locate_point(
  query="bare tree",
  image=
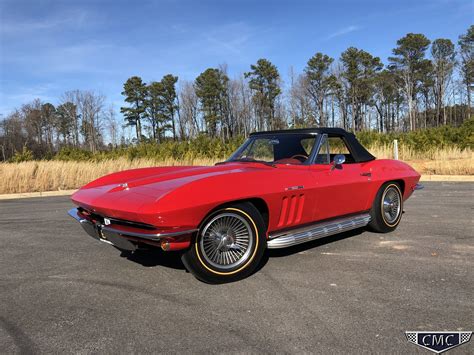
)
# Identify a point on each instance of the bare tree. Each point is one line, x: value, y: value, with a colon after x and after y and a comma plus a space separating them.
x: 12, y: 138
x: 112, y: 125
x: 340, y: 95
x: 300, y: 109
x: 73, y: 97
x: 188, y: 124
x: 90, y: 106
x: 244, y: 107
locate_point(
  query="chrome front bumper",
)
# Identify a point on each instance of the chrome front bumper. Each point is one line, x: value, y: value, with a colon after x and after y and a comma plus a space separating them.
x: 418, y: 187
x: 117, y: 237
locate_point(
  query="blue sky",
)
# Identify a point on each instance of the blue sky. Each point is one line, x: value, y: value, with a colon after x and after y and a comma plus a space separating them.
x: 49, y: 47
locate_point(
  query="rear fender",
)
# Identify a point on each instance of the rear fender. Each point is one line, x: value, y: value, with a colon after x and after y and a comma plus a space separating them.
x: 385, y: 170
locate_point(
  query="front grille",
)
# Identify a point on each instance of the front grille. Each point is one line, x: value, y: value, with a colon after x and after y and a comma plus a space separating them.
x: 121, y: 222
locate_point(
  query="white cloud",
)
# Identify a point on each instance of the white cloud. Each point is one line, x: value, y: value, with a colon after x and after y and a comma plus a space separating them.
x: 343, y: 31
x: 59, y: 21
x: 19, y: 95
x: 230, y: 38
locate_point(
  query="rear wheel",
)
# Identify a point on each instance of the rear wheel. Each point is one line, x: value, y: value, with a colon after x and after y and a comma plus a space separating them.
x: 229, y: 245
x: 387, y: 208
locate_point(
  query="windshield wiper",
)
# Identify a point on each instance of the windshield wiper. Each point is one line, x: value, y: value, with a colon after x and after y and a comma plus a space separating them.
x: 249, y: 160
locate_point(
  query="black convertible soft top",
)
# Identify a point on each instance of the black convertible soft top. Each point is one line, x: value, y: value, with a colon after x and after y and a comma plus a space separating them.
x: 358, y: 152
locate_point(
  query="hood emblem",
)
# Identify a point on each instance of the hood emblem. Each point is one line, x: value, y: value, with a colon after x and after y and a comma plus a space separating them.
x: 124, y: 186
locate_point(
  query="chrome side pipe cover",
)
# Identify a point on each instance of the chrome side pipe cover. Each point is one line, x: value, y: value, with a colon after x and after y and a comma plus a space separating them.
x: 316, y: 231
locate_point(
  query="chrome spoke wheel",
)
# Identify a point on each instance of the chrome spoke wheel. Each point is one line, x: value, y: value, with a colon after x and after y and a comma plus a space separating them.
x: 391, y: 207
x: 226, y: 240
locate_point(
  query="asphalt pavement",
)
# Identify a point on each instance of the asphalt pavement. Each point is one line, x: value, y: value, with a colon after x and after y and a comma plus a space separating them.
x: 63, y: 292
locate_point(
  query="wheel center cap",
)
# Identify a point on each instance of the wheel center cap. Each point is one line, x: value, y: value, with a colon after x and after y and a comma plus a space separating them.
x: 225, y: 242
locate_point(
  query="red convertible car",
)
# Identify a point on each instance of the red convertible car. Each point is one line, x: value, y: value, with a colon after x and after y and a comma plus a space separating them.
x: 279, y: 189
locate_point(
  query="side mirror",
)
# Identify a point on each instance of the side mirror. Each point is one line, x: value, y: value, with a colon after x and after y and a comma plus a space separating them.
x: 339, y: 159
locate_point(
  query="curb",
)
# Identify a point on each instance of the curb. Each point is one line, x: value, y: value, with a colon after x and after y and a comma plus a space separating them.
x: 36, y: 194
x: 459, y: 178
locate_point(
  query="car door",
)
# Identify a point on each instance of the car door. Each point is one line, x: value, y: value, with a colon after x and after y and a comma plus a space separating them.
x: 342, y: 189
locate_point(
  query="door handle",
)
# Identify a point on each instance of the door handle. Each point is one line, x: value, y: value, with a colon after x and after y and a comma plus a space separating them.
x: 367, y: 173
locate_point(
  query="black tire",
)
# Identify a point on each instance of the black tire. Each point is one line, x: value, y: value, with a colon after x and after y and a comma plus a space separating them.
x: 228, y: 246
x: 384, y: 220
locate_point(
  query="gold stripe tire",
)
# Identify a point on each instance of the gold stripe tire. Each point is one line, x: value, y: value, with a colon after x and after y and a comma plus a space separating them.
x: 229, y: 244
x: 387, y: 208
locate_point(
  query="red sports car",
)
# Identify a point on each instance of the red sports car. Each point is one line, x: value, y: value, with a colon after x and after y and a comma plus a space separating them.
x: 279, y: 189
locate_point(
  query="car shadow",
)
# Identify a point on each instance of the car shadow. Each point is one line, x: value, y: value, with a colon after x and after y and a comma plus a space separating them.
x: 315, y: 243
x: 155, y: 257
x: 277, y: 253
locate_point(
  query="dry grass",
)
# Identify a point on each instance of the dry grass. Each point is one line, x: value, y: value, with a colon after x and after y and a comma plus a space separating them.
x: 446, y: 161
x: 35, y: 176
x: 57, y: 175
x: 407, y: 154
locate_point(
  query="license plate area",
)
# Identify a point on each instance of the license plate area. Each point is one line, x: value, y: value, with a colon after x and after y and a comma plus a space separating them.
x: 106, y: 236
x: 118, y: 241
x: 90, y: 229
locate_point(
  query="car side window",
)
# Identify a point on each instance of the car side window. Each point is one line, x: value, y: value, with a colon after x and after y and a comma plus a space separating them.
x: 330, y: 147
x: 323, y: 156
x: 338, y: 146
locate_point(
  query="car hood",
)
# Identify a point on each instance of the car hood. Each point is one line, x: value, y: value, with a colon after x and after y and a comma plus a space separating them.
x: 124, y: 194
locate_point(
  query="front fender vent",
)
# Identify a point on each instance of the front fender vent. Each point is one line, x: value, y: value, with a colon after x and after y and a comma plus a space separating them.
x: 291, y: 210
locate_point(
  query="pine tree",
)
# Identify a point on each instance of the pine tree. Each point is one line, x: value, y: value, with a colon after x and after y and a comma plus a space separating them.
x: 360, y: 69
x: 154, y: 108
x: 210, y: 88
x: 265, y: 84
x: 408, y: 62
x: 442, y: 51
x: 319, y: 82
x: 169, y: 99
x: 134, y: 91
x: 66, y: 117
x: 466, y: 49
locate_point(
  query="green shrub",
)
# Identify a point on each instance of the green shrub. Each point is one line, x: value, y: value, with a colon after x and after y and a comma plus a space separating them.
x: 73, y: 154
x: 424, y: 140
x: 24, y: 155
x: 200, y: 147
x: 215, y: 148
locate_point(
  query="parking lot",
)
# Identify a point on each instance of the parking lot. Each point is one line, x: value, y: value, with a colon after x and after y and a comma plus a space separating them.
x: 63, y: 292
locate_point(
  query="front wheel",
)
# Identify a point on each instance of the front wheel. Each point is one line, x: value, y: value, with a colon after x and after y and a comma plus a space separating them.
x: 387, y: 208
x: 229, y: 245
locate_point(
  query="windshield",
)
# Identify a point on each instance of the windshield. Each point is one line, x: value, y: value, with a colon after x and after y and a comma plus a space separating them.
x: 289, y: 148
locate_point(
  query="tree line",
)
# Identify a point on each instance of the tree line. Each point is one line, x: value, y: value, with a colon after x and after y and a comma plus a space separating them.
x: 423, y: 84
